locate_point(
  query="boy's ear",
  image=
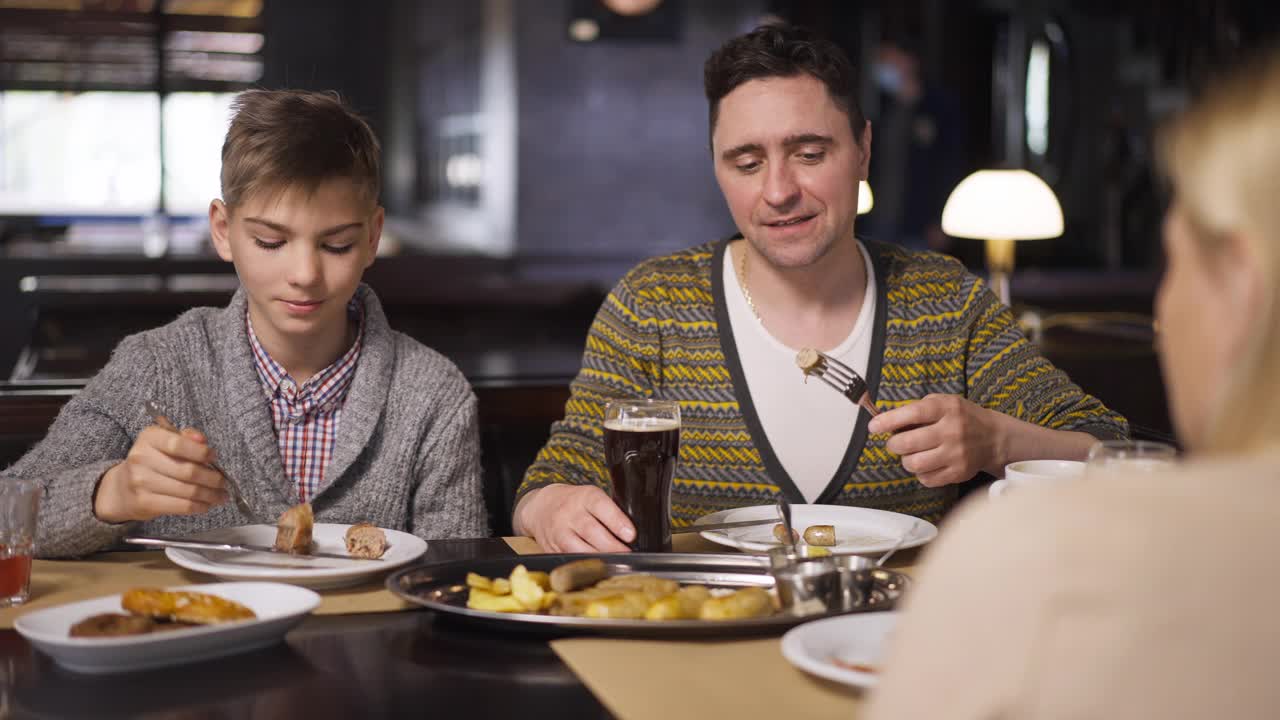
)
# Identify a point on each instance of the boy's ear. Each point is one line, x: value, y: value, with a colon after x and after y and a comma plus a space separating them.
x: 220, y: 228
x: 375, y: 233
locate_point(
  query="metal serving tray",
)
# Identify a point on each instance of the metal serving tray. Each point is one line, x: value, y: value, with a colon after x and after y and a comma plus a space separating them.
x: 442, y: 587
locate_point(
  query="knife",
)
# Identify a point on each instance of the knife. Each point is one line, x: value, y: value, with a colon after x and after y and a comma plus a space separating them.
x: 192, y: 544
x: 723, y: 525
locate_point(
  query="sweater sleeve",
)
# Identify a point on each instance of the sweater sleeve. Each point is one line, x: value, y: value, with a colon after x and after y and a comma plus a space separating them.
x: 89, y: 437
x: 622, y: 359
x: 448, y: 500
x: 1005, y: 372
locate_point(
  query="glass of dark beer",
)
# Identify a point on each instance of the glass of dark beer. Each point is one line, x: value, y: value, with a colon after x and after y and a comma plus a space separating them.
x: 641, y: 443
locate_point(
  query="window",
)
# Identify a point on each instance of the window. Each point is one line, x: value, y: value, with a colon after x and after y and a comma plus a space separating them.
x: 88, y: 88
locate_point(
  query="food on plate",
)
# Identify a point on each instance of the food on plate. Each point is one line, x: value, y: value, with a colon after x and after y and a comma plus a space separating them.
x: 577, y: 574
x: 631, y: 596
x: 183, y: 606
x: 366, y: 540
x: 293, y: 530
x: 112, y: 625
x: 822, y: 535
x: 153, y: 610
x: 855, y: 666
x: 780, y: 533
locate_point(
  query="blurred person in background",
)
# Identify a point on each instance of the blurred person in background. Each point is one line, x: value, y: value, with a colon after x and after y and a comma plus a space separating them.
x: 919, y: 151
x: 298, y: 388
x: 1147, y: 596
x: 717, y: 328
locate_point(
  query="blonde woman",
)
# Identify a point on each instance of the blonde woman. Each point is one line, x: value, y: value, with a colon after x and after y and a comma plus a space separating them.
x: 1141, y: 597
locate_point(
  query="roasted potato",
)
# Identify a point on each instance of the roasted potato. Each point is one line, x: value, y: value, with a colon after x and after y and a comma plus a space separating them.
x: 629, y: 604
x: 484, y: 600
x: 741, y: 604
x: 780, y: 534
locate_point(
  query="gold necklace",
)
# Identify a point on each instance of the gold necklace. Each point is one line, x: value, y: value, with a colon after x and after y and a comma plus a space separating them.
x: 742, y: 283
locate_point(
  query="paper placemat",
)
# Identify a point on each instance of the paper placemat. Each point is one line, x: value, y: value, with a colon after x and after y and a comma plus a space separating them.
x: 669, y: 680
x: 55, y: 582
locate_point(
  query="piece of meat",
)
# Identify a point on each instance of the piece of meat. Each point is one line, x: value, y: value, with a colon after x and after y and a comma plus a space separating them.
x: 184, y: 606
x: 293, y: 530
x: 366, y: 540
x: 112, y: 625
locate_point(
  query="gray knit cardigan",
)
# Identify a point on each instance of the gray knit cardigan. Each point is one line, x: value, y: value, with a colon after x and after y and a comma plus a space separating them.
x: 407, y: 455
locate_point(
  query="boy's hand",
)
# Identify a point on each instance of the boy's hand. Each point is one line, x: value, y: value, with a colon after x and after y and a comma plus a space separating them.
x: 165, y: 473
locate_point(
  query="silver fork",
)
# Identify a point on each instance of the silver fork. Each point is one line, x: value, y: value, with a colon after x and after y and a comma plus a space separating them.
x: 159, y: 417
x: 843, y: 378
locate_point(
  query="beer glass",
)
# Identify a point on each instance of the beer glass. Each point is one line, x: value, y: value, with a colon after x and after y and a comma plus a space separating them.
x: 641, y: 443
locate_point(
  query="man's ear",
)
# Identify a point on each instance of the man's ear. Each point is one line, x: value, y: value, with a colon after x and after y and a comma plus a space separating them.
x: 864, y: 146
x: 220, y: 228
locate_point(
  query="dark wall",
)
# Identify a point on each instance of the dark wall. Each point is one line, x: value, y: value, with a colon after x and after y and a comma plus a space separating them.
x: 614, y: 159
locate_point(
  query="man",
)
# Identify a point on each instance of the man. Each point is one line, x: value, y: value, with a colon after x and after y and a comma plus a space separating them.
x: 298, y: 388
x: 716, y: 327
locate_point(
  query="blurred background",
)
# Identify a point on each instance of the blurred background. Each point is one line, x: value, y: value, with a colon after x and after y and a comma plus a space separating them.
x: 535, y: 150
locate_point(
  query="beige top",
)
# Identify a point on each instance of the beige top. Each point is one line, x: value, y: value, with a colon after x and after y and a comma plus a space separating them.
x: 1155, y: 597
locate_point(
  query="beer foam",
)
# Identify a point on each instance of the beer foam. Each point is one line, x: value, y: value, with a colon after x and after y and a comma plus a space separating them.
x: 642, y: 424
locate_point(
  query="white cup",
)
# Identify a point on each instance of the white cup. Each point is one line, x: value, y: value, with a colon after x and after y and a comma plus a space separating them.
x: 1025, y: 473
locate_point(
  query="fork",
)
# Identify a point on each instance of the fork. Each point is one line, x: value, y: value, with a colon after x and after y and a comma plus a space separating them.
x: 843, y: 378
x: 159, y: 417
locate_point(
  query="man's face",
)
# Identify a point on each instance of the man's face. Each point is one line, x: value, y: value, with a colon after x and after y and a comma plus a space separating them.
x: 300, y: 256
x: 789, y: 167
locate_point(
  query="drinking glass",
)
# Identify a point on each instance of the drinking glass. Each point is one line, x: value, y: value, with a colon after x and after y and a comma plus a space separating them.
x: 1130, y: 457
x: 19, y: 502
x: 641, y: 445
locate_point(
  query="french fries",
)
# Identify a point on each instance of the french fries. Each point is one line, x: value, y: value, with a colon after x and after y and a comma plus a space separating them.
x: 633, y: 596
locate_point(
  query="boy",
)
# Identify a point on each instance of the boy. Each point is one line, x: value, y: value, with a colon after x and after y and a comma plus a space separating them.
x: 289, y: 385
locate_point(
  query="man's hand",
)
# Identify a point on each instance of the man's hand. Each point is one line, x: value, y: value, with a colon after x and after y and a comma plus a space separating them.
x: 165, y: 473
x: 573, y: 518
x: 944, y: 439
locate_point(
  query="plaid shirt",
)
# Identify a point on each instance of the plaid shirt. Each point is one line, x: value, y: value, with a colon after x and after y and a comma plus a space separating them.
x: 306, y: 417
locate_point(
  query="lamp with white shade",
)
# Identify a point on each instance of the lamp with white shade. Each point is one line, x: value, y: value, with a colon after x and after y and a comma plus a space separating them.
x: 1001, y: 207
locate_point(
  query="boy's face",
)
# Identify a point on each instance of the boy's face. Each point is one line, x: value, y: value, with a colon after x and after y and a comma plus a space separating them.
x: 300, y: 257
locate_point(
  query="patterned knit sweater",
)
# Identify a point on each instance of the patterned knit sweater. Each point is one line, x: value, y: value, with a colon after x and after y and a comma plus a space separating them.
x: 664, y: 332
x: 407, y: 455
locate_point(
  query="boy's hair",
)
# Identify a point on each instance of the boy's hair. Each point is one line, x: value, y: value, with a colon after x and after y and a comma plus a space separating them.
x: 782, y: 51
x: 286, y: 138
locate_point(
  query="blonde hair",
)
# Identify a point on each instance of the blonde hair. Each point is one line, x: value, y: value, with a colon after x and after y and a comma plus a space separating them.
x: 1223, y: 158
x: 284, y: 138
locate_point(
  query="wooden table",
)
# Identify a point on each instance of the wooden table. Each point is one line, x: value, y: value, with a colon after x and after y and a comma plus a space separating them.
x: 387, y: 664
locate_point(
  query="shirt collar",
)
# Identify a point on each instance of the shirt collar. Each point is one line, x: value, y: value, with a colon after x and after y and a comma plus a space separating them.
x: 326, y: 386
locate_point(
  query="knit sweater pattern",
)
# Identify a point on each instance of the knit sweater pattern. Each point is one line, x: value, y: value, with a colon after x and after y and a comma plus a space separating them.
x: 663, y: 332
x: 407, y: 455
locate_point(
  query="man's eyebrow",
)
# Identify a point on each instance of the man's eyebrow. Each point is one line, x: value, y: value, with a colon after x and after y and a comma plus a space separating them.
x: 808, y: 139
x: 744, y: 149
x: 335, y: 230
x: 789, y: 141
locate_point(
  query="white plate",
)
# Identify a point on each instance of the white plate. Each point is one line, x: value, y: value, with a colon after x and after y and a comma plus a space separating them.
x: 312, y: 572
x: 859, y: 531
x: 858, y: 638
x: 278, y: 607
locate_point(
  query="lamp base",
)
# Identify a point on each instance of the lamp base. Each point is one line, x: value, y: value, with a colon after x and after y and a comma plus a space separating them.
x: 1000, y: 255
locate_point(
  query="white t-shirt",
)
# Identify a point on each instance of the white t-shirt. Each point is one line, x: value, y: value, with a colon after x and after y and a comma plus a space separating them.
x: 808, y: 424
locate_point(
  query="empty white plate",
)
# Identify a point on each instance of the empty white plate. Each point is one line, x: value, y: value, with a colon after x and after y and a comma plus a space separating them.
x: 279, y: 607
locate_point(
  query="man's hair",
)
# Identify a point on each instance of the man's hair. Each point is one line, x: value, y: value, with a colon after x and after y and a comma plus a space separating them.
x: 293, y: 138
x: 782, y: 51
